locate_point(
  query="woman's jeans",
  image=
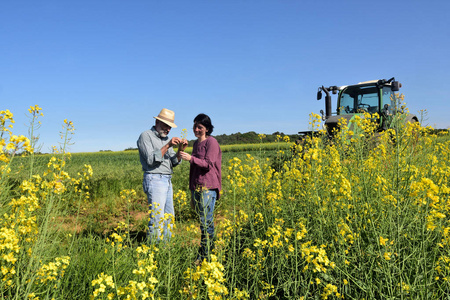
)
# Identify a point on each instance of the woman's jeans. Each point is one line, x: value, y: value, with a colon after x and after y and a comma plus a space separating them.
x: 159, y: 192
x: 204, y: 202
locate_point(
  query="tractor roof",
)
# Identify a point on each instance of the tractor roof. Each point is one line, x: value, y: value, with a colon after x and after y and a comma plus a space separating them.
x: 370, y: 81
x: 365, y: 83
x: 360, y: 83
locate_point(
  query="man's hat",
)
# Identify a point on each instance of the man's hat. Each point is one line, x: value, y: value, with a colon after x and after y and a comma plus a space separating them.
x: 167, y: 117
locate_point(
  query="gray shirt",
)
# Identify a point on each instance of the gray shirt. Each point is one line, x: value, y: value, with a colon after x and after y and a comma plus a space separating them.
x: 152, y: 161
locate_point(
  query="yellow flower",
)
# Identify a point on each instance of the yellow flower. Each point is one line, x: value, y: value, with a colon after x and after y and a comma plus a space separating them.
x: 383, y: 241
x: 183, y: 133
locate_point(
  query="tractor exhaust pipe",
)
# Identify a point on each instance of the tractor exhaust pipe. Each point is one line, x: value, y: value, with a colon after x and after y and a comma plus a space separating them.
x: 327, y: 102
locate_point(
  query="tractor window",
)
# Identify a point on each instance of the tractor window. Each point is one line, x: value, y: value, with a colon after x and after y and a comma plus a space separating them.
x: 389, y: 98
x: 356, y: 99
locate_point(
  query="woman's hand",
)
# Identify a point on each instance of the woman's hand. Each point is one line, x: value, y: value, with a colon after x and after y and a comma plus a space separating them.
x: 185, y: 156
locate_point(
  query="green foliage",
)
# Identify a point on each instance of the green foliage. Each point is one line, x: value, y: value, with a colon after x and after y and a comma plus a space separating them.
x: 250, y: 138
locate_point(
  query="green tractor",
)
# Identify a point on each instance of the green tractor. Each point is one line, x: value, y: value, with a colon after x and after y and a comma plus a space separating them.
x: 376, y: 96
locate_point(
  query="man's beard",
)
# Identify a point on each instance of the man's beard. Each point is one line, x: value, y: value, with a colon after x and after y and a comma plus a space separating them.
x: 162, y: 133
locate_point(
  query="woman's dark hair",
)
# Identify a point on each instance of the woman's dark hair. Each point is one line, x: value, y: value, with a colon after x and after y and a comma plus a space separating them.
x: 205, y: 121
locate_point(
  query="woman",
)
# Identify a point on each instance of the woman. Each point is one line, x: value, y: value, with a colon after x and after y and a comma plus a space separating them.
x: 205, y: 180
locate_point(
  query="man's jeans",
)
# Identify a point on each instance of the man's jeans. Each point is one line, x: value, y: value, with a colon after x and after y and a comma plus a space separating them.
x: 159, y: 192
x: 204, y: 202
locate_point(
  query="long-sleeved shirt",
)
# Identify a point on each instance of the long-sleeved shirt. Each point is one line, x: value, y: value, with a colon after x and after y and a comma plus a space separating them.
x: 206, y: 165
x: 152, y: 160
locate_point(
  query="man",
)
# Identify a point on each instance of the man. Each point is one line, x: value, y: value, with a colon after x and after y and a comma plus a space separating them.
x: 158, y: 160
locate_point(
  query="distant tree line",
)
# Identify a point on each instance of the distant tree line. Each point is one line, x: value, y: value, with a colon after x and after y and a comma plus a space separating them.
x: 249, y: 138
x: 244, y: 138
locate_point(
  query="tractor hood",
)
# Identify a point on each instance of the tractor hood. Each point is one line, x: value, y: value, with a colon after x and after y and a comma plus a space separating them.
x: 332, y: 122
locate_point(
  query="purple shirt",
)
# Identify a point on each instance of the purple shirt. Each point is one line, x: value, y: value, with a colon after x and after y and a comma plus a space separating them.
x: 206, y: 165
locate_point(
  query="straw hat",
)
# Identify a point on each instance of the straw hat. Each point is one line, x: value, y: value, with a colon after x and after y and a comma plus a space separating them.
x: 167, y: 117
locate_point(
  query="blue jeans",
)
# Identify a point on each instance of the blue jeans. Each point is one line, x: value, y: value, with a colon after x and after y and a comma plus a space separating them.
x: 204, y: 202
x: 159, y: 192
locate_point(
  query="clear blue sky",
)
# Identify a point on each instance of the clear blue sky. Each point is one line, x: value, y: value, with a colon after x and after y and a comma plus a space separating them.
x: 251, y: 65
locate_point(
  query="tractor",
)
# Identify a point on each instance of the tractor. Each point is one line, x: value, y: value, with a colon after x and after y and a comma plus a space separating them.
x: 376, y: 96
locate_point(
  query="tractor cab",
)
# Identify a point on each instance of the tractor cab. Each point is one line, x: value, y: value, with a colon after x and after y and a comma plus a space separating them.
x: 375, y: 96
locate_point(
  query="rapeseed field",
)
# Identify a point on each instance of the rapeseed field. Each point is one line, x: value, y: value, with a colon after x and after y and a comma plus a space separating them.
x: 364, y: 215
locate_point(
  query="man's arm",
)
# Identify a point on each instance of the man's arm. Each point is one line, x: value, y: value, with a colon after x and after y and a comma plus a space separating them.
x: 147, y: 151
x: 173, y: 141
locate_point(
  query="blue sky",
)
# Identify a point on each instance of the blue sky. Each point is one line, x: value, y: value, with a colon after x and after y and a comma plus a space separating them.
x: 251, y: 65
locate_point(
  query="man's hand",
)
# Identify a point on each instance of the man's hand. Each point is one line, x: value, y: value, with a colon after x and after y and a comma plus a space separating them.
x: 182, y: 145
x: 174, y: 141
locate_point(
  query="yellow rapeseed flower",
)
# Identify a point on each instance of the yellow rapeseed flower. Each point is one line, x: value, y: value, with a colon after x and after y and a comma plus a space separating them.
x: 383, y: 241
